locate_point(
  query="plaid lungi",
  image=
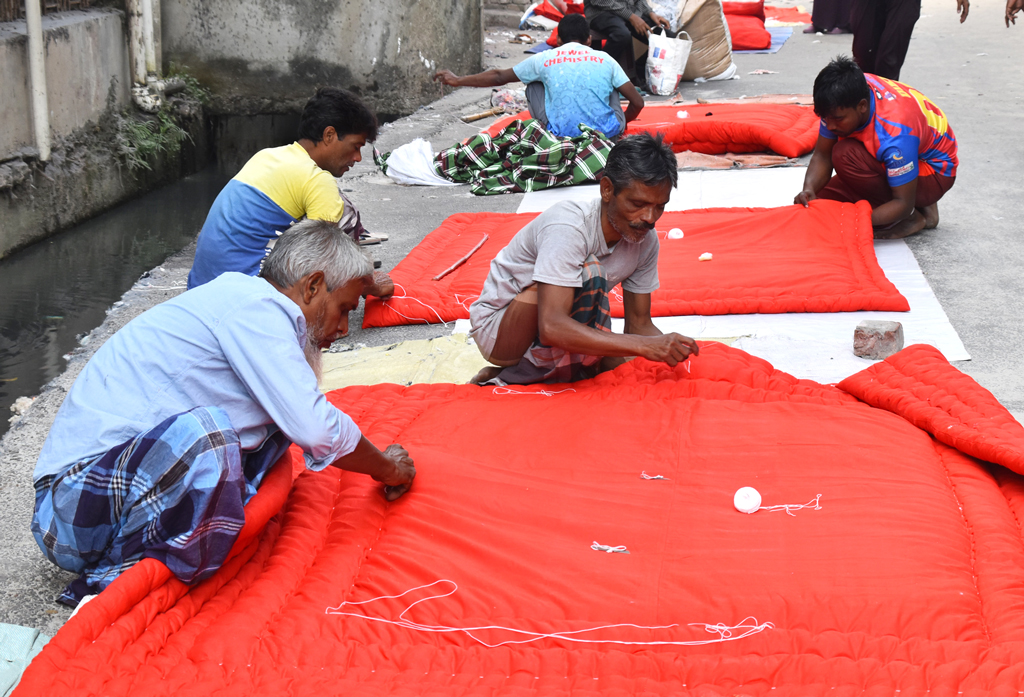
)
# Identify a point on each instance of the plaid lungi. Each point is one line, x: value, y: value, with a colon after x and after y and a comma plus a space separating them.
x: 174, y: 493
x: 552, y: 364
x: 524, y: 157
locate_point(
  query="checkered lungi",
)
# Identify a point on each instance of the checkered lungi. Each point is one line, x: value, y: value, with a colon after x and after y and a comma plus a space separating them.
x: 174, y: 493
x: 552, y: 364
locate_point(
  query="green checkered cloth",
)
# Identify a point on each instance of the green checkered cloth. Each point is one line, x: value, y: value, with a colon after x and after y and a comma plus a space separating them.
x: 524, y: 157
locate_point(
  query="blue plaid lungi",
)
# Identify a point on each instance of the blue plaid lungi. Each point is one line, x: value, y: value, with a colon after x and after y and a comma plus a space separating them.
x: 174, y: 493
x: 551, y: 364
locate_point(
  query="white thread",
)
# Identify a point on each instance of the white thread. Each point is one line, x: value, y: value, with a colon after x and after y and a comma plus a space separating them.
x: 546, y: 393
x: 748, y: 625
x: 644, y: 475
x: 469, y: 298
x: 621, y: 549
x: 813, y: 504
x: 404, y: 296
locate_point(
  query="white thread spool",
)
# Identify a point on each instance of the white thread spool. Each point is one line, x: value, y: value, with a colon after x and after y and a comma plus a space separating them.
x: 675, y: 234
x: 747, y: 500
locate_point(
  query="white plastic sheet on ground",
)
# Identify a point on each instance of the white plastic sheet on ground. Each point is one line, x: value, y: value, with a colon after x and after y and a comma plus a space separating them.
x: 751, y: 188
x: 814, y: 346
x: 413, y: 164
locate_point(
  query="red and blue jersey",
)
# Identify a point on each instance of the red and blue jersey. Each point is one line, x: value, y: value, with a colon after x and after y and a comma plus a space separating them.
x: 906, y: 131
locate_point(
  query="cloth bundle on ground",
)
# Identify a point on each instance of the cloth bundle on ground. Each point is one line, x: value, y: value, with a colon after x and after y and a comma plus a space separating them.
x: 897, y: 568
x: 714, y: 129
x: 746, y: 25
x: 523, y: 156
x: 768, y: 260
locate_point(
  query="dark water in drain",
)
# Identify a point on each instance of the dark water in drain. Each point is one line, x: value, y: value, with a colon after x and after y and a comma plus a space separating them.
x: 61, y: 287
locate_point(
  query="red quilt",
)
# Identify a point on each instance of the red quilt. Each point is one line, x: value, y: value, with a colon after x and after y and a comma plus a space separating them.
x: 905, y: 578
x: 715, y: 129
x: 769, y: 260
x: 748, y: 33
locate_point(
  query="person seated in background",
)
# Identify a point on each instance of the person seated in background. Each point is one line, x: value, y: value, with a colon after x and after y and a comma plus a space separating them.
x: 888, y: 144
x: 279, y: 186
x: 170, y: 428
x: 622, y: 21
x: 543, y: 313
x: 568, y: 86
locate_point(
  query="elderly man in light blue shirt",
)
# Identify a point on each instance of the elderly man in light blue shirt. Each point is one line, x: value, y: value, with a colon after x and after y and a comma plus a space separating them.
x: 169, y: 429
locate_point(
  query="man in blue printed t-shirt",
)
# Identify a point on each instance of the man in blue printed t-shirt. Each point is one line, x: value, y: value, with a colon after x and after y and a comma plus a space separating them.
x: 568, y: 86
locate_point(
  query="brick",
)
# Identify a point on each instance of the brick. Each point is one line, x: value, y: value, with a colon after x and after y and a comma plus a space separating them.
x: 877, y: 339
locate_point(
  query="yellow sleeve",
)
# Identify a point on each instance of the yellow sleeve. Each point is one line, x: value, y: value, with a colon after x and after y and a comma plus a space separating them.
x: 321, y: 198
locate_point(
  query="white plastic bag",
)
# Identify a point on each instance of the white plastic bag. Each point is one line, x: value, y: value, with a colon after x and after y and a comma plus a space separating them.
x: 670, y: 10
x: 666, y: 61
x: 413, y: 164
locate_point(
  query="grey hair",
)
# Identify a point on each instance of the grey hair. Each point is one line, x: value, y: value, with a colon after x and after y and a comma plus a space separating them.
x: 315, y: 245
x: 641, y: 158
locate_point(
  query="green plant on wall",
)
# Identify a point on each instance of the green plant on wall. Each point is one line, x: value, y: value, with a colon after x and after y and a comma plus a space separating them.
x: 139, y: 138
x: 193, y: 88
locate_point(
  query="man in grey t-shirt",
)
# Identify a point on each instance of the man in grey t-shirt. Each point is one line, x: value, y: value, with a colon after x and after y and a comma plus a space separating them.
x: 543, y: 313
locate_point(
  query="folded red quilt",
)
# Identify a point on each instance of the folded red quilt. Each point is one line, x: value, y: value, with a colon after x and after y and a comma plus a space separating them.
x: 748, y: 33
x: 582, y: 539
x: 921, y: 386
x: 745, y: 8
x: 714, y: 129
x: 768, y: 260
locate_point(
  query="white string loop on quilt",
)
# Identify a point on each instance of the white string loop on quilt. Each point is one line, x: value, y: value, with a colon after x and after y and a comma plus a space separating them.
x: 508, y: 390
x: 746, y: 627
x: 644, y: 475
x: 404, y: 296
x: 598, y: 547
x: 814, y: 504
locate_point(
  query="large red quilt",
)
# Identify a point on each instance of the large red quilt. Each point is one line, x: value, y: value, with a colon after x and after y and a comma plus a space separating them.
x: 907, y: 578
x: 715, y: 129
x: 768, y: 260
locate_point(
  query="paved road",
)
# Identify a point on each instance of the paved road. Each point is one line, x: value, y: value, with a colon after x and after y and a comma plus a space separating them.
x: 973, y: 72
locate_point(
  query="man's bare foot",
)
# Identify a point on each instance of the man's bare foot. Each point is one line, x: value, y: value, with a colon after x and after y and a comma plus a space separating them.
x: 931, y: 216
x: 905, y: 228
x: 488, y: 373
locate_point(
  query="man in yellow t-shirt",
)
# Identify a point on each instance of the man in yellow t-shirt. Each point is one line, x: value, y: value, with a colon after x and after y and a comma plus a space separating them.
x: 279, y: 186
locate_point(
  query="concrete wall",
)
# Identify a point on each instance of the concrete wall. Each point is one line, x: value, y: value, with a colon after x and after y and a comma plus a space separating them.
x: 266, y: 56
x: 86, y: 63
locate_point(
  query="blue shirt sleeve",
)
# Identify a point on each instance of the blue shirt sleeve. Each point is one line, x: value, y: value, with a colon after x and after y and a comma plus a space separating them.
x: 262, y: 347
x: 529, y: 70
x: 900, y: 158
x: 618, y: 75
x: 825, y: 133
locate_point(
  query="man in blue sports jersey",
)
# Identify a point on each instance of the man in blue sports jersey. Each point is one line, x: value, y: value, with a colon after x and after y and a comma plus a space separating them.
x: 279, y: 186
x: 568, y: 86
x: 888, y: 144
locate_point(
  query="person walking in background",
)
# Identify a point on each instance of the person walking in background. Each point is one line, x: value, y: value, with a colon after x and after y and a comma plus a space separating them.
x: 881, y: 33
x: 830, y: 17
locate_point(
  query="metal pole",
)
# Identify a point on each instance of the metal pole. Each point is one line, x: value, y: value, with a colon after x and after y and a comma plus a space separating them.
x: 136, y: 42
x: 37, y: 78
x: 147, y: 38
